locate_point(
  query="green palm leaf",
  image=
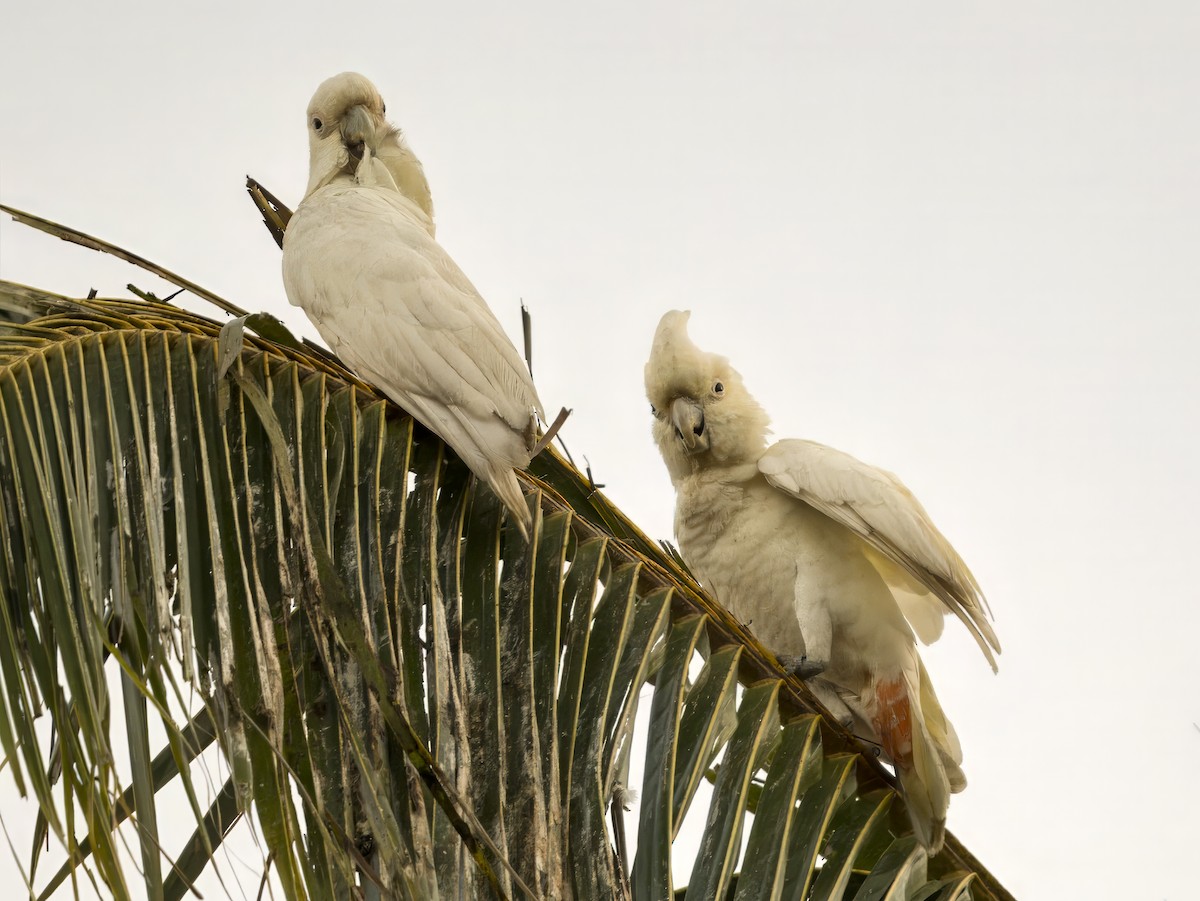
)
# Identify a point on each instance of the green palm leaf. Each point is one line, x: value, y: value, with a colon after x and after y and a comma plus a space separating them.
x: 412, y: 701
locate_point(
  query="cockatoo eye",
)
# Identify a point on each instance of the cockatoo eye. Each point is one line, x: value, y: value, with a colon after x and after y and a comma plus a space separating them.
x: 317, y: 123
x: 718, y: 388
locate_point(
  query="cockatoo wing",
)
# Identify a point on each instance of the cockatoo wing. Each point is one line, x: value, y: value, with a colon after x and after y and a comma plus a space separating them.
x: 876, y: 506
x: 399, y: 312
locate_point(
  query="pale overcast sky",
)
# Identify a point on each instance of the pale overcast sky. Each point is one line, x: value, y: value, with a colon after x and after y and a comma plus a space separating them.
x: 958, y: 240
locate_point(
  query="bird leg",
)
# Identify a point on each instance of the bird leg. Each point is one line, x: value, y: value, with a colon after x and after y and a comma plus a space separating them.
x: 816, y: 627
x: 800, y: 665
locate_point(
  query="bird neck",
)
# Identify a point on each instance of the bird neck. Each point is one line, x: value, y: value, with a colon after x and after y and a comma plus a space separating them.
x: 743, y: 429
x: 408, y: 175
x: 328, y: 162
x: 392, y: 167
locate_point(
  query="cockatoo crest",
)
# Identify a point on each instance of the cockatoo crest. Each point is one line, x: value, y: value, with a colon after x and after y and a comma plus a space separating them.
x: 703, y: 413
x: 349, y: 138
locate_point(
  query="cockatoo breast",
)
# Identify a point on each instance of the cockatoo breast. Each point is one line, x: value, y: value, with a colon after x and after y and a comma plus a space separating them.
x: 763, y: 554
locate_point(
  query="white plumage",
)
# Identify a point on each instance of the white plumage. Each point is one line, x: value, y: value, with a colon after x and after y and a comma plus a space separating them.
x: 832, y: 563
x: 359, y: 257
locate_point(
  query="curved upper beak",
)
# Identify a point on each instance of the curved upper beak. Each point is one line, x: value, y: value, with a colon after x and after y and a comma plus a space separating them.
x: 687, y: 416
x: 359, y: 129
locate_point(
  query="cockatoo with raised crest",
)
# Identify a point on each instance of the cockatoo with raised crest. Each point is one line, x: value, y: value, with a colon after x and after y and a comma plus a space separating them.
x: 832, y: 563
x: 359, y: 257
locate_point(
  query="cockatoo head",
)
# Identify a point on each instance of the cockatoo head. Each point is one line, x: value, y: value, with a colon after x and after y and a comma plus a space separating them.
x: 349, y: 138
x: 703, y: 415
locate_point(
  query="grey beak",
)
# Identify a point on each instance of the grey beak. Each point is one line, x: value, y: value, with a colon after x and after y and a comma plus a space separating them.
x: 688, y: 418
x: 358, y: 131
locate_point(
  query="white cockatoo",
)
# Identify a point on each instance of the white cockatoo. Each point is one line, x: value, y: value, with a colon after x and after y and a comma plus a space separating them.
x: 359, y: 257
x: 832, y: 563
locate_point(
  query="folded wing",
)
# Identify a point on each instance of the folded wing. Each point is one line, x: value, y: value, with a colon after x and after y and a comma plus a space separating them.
x: 906, y: 547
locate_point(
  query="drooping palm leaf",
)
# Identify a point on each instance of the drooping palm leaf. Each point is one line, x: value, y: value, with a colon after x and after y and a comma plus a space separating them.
x: 445, y: 701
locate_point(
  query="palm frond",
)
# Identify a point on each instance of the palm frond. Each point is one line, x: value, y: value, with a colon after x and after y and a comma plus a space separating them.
x: 408, y: 696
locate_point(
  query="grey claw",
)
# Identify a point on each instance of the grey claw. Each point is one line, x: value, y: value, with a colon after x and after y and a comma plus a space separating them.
x: 801, y: 666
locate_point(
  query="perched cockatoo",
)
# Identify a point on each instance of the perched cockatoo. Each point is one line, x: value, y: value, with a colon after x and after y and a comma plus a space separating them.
x: 832, y: 563
x: 359, y: 257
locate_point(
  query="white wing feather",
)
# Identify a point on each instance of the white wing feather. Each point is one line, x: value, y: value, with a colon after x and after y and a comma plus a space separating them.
x: 876, y: 506
x: 397, y: 309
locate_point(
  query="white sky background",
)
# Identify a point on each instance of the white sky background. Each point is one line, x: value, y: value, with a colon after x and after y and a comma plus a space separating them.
x: 961, y: 241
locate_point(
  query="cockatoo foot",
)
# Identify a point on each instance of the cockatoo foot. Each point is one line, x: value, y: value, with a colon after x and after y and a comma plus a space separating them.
x: 801, y: 666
